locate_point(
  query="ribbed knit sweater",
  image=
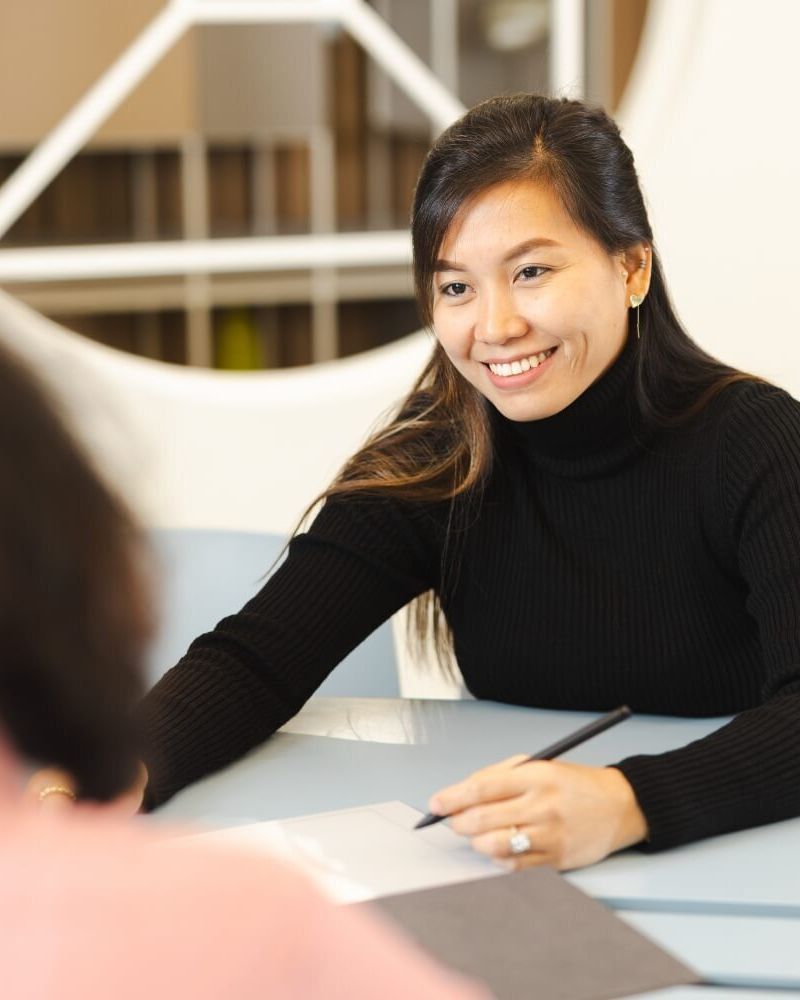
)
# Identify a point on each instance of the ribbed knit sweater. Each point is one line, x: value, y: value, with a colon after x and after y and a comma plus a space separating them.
x: 603, y: 565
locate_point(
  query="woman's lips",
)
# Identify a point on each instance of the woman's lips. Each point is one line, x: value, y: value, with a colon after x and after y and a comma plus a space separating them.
x: 522, y: 378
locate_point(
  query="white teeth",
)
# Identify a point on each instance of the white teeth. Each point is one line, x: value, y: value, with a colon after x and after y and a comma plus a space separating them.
x: 523, y: 365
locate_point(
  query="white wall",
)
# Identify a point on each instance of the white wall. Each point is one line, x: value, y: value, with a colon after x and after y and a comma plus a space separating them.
x: 711, y: 115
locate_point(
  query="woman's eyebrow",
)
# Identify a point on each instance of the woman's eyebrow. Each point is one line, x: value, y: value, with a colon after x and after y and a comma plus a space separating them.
x: 527, y: 245
x: 521, y: 248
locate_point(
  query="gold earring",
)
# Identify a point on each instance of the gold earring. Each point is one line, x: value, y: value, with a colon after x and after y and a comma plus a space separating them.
x: 636, y: 301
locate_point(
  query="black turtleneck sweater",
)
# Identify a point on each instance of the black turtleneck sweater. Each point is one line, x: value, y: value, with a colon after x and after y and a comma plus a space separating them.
x: 602, y: 566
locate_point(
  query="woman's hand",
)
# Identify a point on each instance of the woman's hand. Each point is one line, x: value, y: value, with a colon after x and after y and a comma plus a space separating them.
x: 572, y: 814
x: 51, y: 789
x: 55, y: 791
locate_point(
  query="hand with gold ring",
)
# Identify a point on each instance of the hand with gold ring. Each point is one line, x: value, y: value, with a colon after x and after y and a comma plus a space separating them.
x: 54, y: 790
x: 51, y: 790
x: 544, y: 812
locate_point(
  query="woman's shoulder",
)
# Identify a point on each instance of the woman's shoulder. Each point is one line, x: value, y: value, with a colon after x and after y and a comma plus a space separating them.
x: 751, y: 413
x: 747, y: 391
x: 751, y: 436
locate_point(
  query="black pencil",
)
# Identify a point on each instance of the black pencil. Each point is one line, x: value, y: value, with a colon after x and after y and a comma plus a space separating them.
x: 556, y: 749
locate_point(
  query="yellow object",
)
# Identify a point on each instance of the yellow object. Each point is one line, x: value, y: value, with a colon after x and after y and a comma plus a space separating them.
x: 237, y: 343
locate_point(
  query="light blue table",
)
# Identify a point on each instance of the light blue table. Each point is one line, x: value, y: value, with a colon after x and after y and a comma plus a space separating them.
x: 713, y: 993
x: 735, y: 951
x: 341, y: 752
x: 729, y: 906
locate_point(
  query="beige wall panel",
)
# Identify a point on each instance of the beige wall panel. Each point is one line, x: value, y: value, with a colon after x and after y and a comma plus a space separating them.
x: 51, y: 51
x: 261, y: 79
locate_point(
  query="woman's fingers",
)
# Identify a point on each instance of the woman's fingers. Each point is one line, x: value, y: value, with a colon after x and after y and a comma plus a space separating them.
x: 487, y: 785
x: 500, y: 843
x: 129, y: 802
x: 51, y: 789
x: 520, y: 806
x: 572, y: 815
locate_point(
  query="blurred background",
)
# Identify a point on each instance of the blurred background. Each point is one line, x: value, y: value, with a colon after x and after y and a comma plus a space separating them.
x: 259, y: 130
x: 204, y: 248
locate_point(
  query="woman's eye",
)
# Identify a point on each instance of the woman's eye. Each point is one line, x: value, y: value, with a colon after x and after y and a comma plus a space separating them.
x: 531, y: 271
x: 454, y: 289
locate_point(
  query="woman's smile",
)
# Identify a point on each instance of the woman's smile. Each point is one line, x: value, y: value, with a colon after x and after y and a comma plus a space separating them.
x: 521, y: 372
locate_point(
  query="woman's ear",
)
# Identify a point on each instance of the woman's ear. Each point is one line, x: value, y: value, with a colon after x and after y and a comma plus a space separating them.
x: 637, y: 265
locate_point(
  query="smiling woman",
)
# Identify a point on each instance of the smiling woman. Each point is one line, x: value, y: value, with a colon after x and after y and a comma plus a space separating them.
x: 593, y: 510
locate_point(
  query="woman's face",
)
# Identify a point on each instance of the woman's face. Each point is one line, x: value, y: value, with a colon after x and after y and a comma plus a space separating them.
x: 528, y: 307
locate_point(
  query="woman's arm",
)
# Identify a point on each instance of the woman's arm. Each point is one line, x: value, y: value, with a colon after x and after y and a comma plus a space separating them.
x: 746, y: 773
x: 360, y: 562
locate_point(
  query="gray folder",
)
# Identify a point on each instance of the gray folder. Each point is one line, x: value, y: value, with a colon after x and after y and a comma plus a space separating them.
x: 532, y: 934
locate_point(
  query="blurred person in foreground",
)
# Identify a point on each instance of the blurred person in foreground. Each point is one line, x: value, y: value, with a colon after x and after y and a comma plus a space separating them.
x: 92, y: 905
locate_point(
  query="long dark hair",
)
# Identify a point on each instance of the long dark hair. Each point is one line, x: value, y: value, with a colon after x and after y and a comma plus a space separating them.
x: 438, y: 446
x: 75, y: 612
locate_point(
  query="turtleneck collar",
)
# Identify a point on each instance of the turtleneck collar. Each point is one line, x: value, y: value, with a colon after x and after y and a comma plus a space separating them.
x: 597, y: 433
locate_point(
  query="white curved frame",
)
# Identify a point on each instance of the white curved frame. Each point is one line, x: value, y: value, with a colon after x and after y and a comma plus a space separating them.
x: 168, y: 437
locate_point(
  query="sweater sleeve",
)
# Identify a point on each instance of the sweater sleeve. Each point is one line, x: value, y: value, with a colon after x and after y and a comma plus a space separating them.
x: 748, y: 772
x: 360, y: 562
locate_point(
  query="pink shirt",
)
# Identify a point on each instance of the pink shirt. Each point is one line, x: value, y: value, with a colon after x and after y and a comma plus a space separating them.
x: 95, y: 909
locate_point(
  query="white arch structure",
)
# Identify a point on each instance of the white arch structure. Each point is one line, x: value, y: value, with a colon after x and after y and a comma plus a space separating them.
x: 200, y: 448
x: 195, y: 448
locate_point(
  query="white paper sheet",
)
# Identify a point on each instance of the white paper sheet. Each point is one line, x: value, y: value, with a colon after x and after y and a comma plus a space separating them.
x: 362, y: 853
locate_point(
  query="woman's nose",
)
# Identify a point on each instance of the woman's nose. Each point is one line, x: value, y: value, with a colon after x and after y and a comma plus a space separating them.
x: 499, y: 319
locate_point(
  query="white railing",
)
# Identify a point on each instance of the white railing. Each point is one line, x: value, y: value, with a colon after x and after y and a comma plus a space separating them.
x: 220, y: 256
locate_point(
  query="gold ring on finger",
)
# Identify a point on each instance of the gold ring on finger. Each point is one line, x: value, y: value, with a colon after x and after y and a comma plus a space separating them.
x: 56, y: 790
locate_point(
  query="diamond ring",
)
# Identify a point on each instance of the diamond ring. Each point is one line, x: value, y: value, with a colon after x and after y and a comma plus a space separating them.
x: 518, y: 842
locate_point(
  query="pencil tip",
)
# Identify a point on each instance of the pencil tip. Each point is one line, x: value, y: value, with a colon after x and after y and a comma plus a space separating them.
x: 427, y: 820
